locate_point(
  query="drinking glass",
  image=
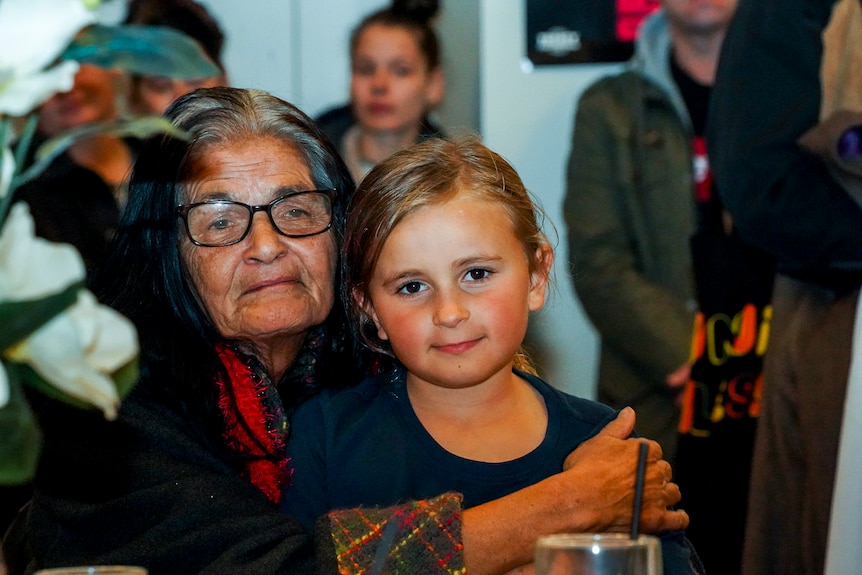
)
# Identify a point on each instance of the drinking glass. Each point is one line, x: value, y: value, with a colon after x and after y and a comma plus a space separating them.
x: 598, y: 554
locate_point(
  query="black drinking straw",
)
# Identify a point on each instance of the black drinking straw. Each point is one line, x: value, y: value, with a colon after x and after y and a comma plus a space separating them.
x: 639, y: 489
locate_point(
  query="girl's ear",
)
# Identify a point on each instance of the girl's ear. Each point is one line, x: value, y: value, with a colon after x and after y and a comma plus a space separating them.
x: 367, y: 308
x: 540, y: 277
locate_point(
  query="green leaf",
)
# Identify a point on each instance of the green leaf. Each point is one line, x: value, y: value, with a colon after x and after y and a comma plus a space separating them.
x: 139, y: 128
x: 21, y: 318
x: 126, y: 377
x: 27, y: 134
x: 145, y: 50
x: 22, y: 439
x: 5, y: 138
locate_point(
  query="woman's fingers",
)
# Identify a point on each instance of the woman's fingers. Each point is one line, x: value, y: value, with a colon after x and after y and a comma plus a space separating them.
x: 654, y: 521
x: 607, y: 464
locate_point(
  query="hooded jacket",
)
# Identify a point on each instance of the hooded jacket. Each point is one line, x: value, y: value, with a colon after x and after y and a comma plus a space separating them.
x: 630, y: 212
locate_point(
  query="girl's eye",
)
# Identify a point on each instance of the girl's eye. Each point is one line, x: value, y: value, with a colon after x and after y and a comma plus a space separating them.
x: 477, y: 274
x: 411, y: 288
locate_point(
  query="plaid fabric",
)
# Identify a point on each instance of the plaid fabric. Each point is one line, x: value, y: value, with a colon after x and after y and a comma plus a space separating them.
x: 417, y: 537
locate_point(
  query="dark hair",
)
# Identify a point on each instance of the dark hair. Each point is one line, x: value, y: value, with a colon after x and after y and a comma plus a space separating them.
x: 145, y: 278
x: 187, y: 16
x: 429, y: 173
x: 414, y: 16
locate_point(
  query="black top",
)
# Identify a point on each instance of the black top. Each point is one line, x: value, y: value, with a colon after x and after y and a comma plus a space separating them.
x: 336, y: 121
x: 372, y: 431
x: 365, y: 446
x: 147, y: 489
x: 694, y: 94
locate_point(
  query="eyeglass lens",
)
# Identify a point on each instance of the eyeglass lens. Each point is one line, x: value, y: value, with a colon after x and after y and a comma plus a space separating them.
x: 222, y: 223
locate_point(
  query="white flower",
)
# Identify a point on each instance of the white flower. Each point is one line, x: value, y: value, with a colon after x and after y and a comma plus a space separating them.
x: 32, y: 267
x: 32, y: 34
x: 78, y: 349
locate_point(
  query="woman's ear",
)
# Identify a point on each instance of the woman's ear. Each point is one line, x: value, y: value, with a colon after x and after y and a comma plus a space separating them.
x: 436, y: 88
x: 540, y: 277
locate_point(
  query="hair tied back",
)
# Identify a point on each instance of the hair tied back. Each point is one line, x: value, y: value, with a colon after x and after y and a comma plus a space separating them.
x: 421, y: 11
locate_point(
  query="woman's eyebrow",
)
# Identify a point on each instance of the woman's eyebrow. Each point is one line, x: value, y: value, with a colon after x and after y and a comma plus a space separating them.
x: 212, y: 195
x: 292, y: 189
x: 278, y: 192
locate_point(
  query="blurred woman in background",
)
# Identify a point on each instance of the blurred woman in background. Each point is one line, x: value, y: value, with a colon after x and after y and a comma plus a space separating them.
x: 396, y: 81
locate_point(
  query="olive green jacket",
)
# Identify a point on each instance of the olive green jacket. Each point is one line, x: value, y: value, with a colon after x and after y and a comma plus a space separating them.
x: 630, y: 213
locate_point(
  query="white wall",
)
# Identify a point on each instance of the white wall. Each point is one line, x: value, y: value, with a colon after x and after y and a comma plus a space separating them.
x: 295, y: 49
x: 527, y: 117
x: 298, y: 50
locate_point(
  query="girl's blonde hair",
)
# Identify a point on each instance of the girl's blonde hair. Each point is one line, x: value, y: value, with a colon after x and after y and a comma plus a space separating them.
x: 425, y: 174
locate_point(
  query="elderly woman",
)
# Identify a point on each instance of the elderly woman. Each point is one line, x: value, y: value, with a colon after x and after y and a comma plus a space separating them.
x: 238, y: 322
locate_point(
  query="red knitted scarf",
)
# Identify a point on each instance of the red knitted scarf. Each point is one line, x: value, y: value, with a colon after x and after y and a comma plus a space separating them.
x: 255, y: 423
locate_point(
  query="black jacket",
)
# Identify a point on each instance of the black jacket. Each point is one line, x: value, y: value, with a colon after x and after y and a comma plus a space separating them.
x: 336, y: 121
x: 108, y: 492
x: 767, y: 94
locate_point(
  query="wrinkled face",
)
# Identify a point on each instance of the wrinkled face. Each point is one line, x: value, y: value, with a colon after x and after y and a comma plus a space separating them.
x: 268, y: 287
x: 391, y: 87
x: 91, y: 99
x: 151, y: 95
x: 700, y: 16
x: 452, y: 292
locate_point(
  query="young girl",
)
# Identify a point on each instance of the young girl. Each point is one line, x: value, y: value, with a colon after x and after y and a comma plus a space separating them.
x: 444, y: 262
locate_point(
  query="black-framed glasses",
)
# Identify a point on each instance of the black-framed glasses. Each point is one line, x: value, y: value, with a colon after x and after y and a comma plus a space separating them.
x: 218, y: 223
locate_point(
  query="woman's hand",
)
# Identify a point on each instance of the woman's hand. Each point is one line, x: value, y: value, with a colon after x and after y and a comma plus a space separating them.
x: 604, y: 469
x: 594, y: 493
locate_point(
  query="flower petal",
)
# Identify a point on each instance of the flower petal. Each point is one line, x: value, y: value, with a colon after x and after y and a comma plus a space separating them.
x: 110, y: 340
x: 79, y: 349
x: 32, y: 267
x: 25, y: 92
x: 34, y: 32
x: 56, y: 352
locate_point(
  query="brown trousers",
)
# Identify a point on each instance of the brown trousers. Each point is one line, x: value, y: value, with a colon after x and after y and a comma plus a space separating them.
x: 796, y: 446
